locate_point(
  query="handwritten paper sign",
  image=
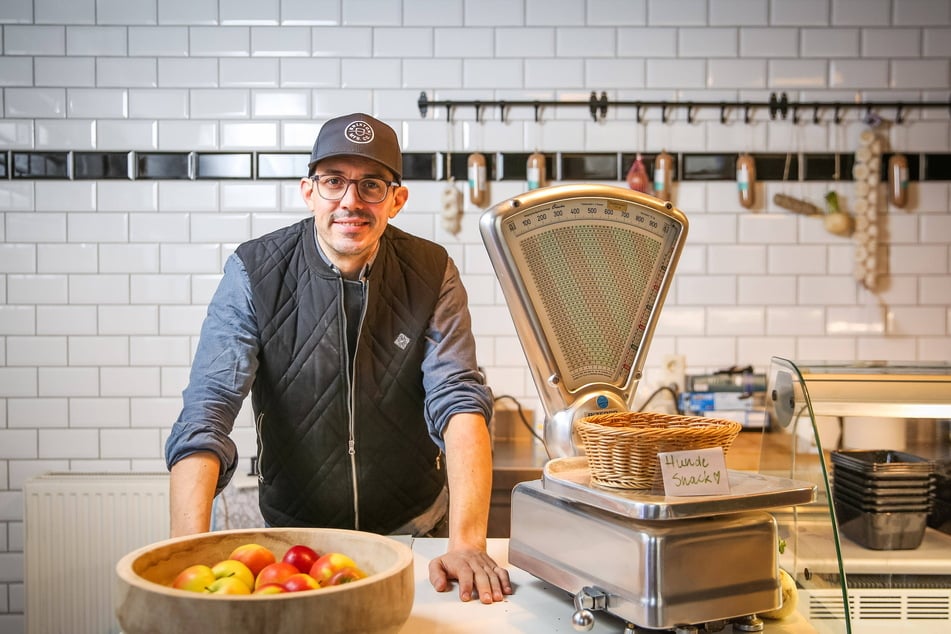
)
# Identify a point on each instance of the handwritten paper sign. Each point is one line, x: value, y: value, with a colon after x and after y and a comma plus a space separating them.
x: 694, y: 472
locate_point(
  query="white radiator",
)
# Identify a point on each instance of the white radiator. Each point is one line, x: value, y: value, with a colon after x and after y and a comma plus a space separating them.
x: 78, y: 526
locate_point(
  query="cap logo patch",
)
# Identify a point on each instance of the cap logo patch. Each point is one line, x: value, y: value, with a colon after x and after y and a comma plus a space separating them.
x: 359, y: 132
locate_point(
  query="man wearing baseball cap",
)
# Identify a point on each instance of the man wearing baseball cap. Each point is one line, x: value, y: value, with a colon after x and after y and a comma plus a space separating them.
x: 354, y: 340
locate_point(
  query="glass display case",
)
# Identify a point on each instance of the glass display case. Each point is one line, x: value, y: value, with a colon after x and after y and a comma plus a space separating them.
x: 885, y: 577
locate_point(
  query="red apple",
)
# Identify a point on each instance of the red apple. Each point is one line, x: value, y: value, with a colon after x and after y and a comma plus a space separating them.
x: 194, y: 578
x: 329, y: 564
x: 228, y: 585
x: 278, y: 572
x: 301, y: 557
x: 233, y: 568
x: 300, y: 581
x: 254, y: 556
x: 269, y: 588
x: 345, y: 575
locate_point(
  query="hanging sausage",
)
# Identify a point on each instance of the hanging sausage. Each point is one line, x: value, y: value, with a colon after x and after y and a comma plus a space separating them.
x: 477, y: 179
x: 746, y: 179
x: 898, y: 180
x: 663, y: 168
x: 796, y: 205
x: 451, y: 198
x: 866, y: 170
x: 637, y: 175
x: 535, y: 170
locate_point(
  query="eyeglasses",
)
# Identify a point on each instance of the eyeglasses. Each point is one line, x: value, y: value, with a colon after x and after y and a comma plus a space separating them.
x: 370, y: 190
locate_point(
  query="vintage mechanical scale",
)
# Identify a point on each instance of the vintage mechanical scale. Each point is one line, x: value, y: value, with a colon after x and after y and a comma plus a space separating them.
x: 585, y: 270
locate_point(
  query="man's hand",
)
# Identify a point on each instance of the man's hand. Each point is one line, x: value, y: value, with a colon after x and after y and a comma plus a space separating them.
x: 474, y: 570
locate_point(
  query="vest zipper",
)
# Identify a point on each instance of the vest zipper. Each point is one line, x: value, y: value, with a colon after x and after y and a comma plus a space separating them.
x: 351, y: 380
x: 260, y: 462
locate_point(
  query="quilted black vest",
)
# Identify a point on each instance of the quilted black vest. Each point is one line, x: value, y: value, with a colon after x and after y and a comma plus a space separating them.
x: 304, y: 403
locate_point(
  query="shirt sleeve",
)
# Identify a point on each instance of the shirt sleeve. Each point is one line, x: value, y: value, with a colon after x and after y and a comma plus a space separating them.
x: 451, y: 376
x: 221, y: 375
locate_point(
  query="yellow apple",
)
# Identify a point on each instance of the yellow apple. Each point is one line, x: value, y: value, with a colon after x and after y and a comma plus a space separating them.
x: 233, y: 568
x: 228, y: 585
x: 329, y: 564
x: 194, y: 578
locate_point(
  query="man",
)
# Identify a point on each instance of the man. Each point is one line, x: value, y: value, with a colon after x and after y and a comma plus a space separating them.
x: 354, y: 340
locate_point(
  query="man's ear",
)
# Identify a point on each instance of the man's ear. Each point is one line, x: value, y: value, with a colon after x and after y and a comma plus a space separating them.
x: 306, y: 189
x: 400, y: 196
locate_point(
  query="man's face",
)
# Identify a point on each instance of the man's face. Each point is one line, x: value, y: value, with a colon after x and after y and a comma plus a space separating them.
x: 349, y: 229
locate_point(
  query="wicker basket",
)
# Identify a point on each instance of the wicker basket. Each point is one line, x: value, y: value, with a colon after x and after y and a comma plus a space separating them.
x: 622, y: 447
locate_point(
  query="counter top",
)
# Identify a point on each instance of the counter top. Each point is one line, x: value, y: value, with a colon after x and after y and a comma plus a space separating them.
x: 536, y: 606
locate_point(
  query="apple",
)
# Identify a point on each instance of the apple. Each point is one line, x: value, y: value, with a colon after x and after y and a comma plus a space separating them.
x: 300, y: 581
x: 194, y: 578
x: 278, y: 572
x: 329, y: 564
x: 233, y: 568
x: 228, y: 585
x: 345, y: 575
x: 790, y: 598
x: 269, y: 588
x: 254, y: 556
x: 301, y: 557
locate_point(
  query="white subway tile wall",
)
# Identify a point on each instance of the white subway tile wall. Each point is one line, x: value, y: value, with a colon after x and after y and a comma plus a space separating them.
x: 103, y: 284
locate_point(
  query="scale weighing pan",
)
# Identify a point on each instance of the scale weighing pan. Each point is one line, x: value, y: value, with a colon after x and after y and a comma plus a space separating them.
x: 584, y: 270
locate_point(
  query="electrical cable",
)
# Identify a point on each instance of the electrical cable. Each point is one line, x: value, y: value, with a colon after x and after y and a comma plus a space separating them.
x: 525, y: 422
x: 664, y: 388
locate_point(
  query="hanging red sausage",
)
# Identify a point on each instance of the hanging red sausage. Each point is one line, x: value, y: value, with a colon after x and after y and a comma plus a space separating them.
x: 637, y: 175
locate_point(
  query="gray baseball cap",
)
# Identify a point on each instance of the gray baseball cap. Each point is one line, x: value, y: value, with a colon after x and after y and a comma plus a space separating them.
x: 359, y: 134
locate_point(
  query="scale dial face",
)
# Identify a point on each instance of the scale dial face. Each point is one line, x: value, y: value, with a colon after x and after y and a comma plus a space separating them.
x: 584, y: 270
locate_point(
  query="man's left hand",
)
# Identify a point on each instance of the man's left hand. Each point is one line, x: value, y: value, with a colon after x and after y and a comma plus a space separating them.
x: 474, y: 570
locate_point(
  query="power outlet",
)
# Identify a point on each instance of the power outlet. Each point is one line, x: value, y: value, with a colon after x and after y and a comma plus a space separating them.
x: 673, y: 371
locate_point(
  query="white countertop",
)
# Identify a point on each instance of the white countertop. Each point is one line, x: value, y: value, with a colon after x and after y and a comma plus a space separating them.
x: 536, y: 606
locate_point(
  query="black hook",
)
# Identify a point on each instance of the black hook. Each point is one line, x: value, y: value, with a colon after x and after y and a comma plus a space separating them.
x: 690, y: 114
x: 837, y: 116
x: 746, y: 112
x: 502, y: 111
x: 537, y: 107
x: 663, y: 112
x: 795, y: 115
x: 899, y: 115
x: 423, y: 103
x: 478, y: 113
x: 778, y: 105
x: 598, y: 106
x: 722, y: 113
x: 640, y: 112
x: 815, y: 114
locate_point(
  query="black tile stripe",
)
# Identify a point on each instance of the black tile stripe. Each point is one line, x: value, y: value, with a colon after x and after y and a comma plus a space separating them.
x: 501, y: 166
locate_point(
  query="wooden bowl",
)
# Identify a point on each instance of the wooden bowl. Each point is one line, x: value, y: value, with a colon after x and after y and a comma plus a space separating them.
x: 379, y: 604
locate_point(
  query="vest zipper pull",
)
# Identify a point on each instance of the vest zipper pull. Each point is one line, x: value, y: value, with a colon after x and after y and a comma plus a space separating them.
x: 438, y: 462
x: 350, y: 449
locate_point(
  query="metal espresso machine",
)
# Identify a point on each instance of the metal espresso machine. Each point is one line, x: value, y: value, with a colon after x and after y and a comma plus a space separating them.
x: 585, y: 270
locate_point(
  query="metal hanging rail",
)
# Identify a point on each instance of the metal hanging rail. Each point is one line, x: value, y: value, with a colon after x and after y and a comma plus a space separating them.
x: 778, y: 106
